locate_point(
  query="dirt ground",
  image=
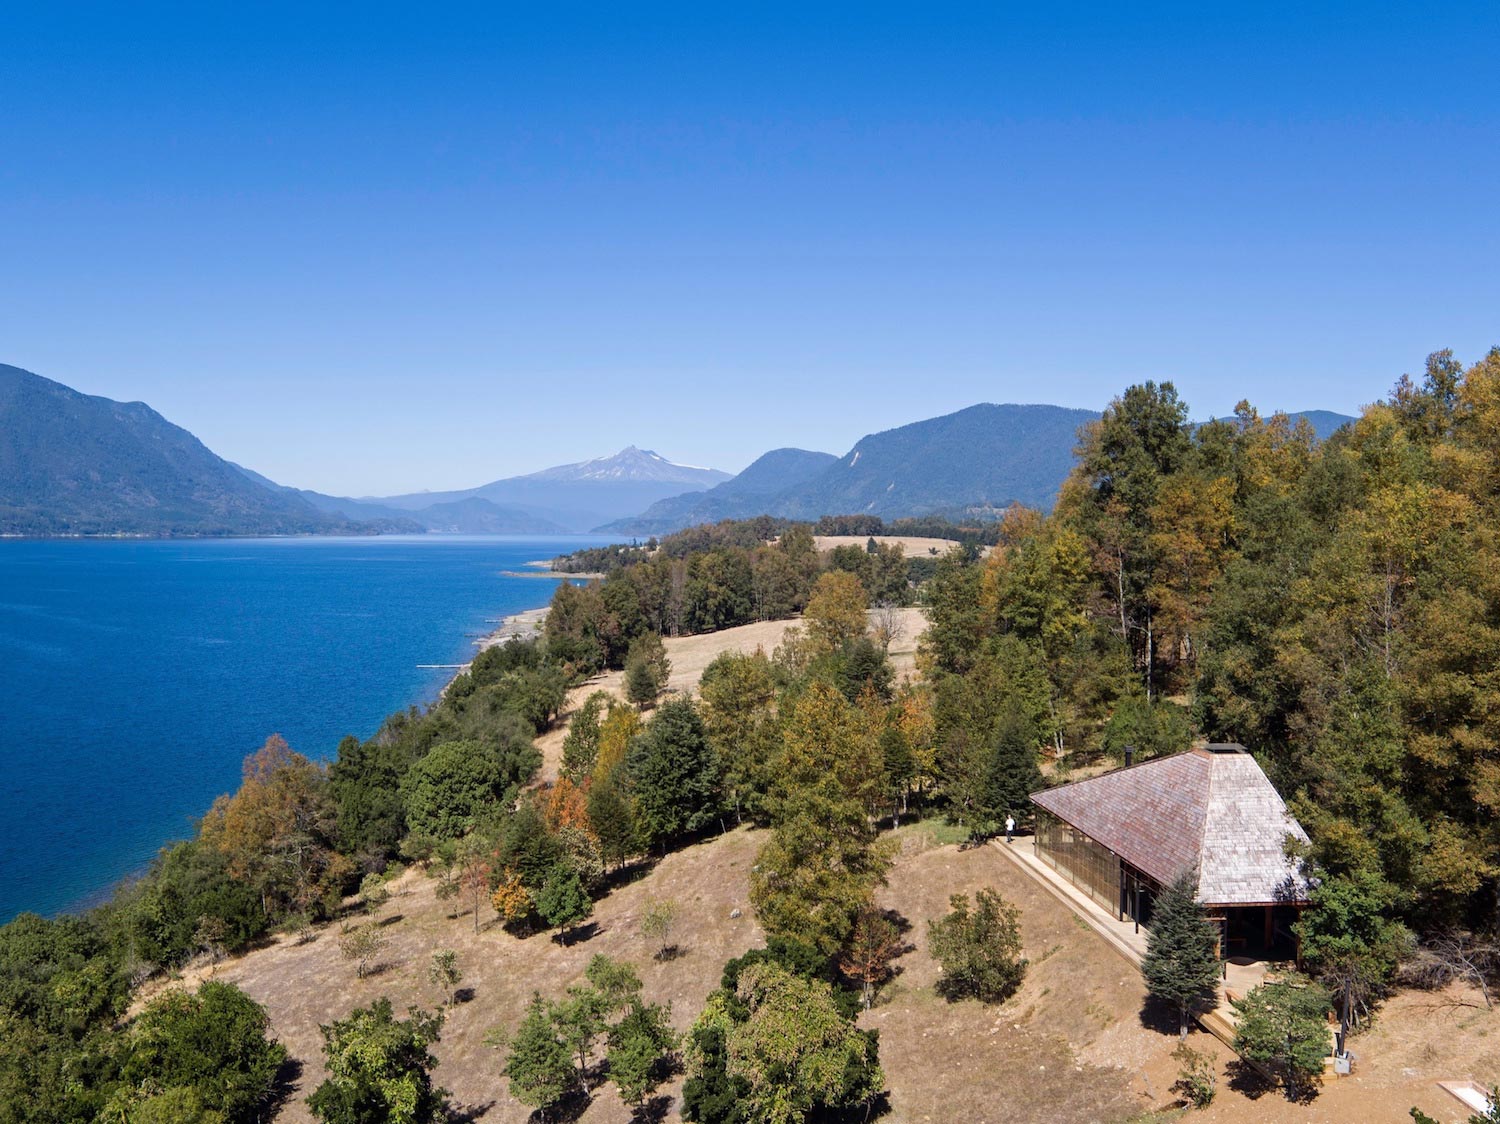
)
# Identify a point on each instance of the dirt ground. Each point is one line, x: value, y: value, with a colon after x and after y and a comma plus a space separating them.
x: 1072, y: 1045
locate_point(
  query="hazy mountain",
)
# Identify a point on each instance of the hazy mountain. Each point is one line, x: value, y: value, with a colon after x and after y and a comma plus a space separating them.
x: 583, y: 495
x: 980, y: 459
x: 744, y: 496
x: 476, y: 516
x: 74, y: 464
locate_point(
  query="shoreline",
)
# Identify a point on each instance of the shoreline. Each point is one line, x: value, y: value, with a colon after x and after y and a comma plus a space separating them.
x: 516, y: 626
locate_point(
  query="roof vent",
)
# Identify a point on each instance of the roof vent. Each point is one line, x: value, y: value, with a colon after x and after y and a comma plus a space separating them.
x: 1226, y: 747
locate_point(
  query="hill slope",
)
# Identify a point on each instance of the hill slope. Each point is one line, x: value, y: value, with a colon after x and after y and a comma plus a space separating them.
x: 744, y: 496
x: 979, y: 459
x: 76, y: 464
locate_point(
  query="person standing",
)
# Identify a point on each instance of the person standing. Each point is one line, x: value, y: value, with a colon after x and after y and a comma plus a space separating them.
x: 1010, y: 826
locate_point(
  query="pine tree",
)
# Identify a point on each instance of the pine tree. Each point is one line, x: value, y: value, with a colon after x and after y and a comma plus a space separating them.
x: 1181, y: 966
x: 674, y: 776
x: 613, y: 822
x: 540, y: 1067
x: 1011, y: 773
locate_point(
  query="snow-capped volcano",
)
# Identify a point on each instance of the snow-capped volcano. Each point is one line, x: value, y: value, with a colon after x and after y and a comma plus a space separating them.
x: 631, y: 463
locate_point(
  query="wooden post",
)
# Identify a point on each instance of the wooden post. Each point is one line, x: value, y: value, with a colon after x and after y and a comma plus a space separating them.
x: 1269, y: 931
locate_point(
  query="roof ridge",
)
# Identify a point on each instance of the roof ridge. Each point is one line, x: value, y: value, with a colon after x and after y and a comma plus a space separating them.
x: 1208, y: 810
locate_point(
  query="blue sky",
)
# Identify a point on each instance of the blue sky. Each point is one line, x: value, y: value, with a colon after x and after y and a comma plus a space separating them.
x: 372, y: 248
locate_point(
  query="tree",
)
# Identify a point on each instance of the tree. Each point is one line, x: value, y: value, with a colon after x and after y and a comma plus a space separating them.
x: 581, y: 745
x: 836, y: 611
x: 874, y: 942
x: 640, y: 1045
x: 563, y: 902
x: 511, y: 899
x: 444, y: 974
x: 1181, y: 966
x: 580, y: 1024
x: 475, y: 865
x: 1284, y: 1027
x: 822, y: 862
x: 277, y: 832
x: 379, y: 1069
x: 613, y: 822
x: 213, y: 1042
x: 447, y: 792
x: 674, y: 776
x: 1349, y: 942
x: 794, y: 1050
x: 646, y: 669
x: 979, y: 949
x: 656, y: 925
x: 361, y: 944
x: 373, y: 893
x: 540, y: 1066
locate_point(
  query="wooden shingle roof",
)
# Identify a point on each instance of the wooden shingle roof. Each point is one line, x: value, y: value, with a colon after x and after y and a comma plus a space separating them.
x: 1210, y: 809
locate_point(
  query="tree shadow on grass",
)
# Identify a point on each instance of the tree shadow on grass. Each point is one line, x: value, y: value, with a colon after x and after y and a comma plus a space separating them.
x: 463, y: 995
x: 1160, y: 1017
x: 652, y: 1111
x: 630, y: 872
x: 566, y: 1111
x: 467, y: 1113
x: 384, y: 922
x: 579, y: 934
x: 283, y: 1085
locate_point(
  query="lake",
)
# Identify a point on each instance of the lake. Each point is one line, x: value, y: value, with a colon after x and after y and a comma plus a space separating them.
x: 135, y: 675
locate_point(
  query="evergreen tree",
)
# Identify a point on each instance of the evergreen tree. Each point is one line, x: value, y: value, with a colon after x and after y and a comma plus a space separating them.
x: 640, y: 1045
x: 581, y: 745
x: 674, y: 776
x: 1011, y: 773
x: 646, y: 669
x: 1181, y: 966
x: 540, y: 1066
x: 613, y: 822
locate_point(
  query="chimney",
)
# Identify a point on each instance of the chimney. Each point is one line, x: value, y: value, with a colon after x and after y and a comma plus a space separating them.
x: 1129, y: 755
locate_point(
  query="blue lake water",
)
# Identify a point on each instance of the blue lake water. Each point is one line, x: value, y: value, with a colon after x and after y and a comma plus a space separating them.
x: 136, y: 675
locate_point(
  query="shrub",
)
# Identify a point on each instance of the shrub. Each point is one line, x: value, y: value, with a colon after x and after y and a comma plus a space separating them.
x: 980, y: 950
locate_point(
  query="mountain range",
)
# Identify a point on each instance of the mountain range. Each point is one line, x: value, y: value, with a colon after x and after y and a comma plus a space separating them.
x: 972, y: 463
x: 76, y: 464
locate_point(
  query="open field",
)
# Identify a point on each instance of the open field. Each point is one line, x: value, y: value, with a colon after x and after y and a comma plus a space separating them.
x: 915, y: 546
x: 689, y: 655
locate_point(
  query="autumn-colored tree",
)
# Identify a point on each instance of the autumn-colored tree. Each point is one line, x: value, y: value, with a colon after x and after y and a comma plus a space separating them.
x: 476, y: 861
x: 511, y: 899
x: 619, y: 728
x: 836, y: 611
x: 277, y: 832
x: 873, y: 944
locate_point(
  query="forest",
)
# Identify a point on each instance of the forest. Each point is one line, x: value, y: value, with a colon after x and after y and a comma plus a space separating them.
x: 1333, y: 605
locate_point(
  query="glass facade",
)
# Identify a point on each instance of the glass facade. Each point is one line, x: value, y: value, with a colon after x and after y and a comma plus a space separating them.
x: 1093, y: 869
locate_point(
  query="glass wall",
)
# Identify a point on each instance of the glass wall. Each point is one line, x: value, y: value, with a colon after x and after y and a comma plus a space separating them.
x: 1093, y: 869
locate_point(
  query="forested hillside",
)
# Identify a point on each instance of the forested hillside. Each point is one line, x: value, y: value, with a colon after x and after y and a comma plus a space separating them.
x: 1333, y: 605
x: 73, y: 464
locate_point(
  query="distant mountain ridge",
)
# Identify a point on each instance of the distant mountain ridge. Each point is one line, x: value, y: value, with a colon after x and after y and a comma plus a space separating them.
x: 580, y: 496
x: 976, y: 461
x: 742, y: 497
x: 78, y: 464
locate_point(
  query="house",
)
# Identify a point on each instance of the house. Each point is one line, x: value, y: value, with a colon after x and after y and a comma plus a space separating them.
x: 1210, y: 812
